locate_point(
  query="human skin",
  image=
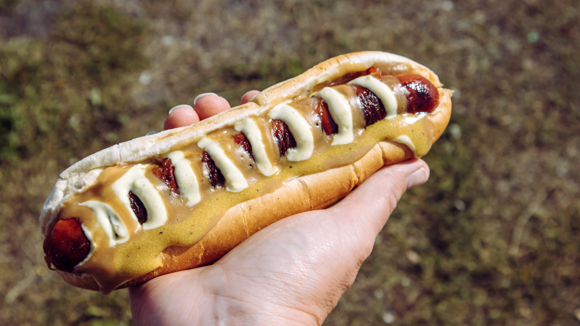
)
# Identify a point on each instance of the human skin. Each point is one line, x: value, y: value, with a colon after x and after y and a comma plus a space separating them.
x: 290, y: 273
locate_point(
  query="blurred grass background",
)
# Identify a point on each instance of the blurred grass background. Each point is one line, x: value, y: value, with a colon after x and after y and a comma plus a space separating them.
x: 491, y: 239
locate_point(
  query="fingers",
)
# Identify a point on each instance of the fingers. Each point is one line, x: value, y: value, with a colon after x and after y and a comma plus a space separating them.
x: 248, y: 96
x: 180, y: 116
x: 209, y: 104
x: 204, y: 106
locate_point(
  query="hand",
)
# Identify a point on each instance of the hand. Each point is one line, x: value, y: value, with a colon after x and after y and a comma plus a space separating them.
x: 290, y: 273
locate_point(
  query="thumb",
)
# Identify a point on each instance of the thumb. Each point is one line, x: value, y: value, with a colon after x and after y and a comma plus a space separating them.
x: 377, y: 197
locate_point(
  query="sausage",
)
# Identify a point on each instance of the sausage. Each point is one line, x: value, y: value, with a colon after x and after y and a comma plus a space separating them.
x: 138, y: 207
x: 373, y: 109
x: 282, y: 136
x: 375, y: 72
x: 67, y: 245
x: 166, y: 172
x: 326, y: 121
x: 214, y: 175
x: 422, y: 95
x: 244, y: 143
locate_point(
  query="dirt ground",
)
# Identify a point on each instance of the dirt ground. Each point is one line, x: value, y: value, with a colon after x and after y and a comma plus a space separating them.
x: 492, y: 239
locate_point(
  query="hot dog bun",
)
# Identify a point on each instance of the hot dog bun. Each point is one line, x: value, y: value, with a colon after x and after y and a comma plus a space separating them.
x: 301, y: 194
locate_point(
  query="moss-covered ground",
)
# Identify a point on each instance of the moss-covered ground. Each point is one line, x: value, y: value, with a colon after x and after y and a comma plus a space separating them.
x: 492, y: 239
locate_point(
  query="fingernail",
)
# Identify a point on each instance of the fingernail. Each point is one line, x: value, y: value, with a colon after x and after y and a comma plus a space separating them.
x: 417, y: 178
x: 253, y: 97
x: 254, y: 90
x: 152, y: 132
x: 180, y: 106
x: 202, y: 95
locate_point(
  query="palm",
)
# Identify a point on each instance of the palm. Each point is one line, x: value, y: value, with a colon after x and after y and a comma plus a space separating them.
x: 294, y: 270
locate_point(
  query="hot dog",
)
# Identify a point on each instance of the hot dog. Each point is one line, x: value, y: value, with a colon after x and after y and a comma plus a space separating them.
x: 183, y: 198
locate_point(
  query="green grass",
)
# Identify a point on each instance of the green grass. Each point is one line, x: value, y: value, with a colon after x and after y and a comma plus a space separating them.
x: 448, y: 255
x: 47, y: 86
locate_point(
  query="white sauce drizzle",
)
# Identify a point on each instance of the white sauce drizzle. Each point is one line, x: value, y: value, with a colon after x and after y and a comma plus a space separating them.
x: 235, y: 181
x: 110, y: 221
x: 252, y: 132
x: 185, y: 178
x: 384, y: 92
x: 300, y: 130
x: 341, y: 114
x: 134, y: 180
x: 406, y: 141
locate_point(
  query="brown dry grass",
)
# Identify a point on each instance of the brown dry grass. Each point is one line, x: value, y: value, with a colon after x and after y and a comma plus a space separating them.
x: 491, y: 239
